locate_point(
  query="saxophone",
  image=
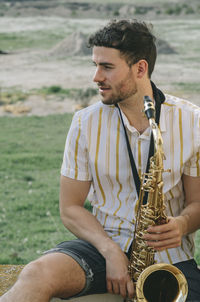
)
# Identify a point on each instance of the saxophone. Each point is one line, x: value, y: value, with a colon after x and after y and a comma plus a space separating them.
x: 160, y: 282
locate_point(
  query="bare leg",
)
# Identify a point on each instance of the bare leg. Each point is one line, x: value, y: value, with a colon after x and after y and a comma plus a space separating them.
x: 52, y: 275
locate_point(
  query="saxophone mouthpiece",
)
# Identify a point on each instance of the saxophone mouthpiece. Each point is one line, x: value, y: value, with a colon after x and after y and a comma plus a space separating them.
x: 149, y: 108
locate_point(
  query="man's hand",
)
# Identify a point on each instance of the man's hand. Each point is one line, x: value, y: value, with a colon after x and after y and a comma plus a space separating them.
x: 169, y: 235
x: 166, y: 236
x: 118, y: 279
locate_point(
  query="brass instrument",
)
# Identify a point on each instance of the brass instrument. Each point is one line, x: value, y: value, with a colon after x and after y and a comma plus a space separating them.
x: 154, y: 282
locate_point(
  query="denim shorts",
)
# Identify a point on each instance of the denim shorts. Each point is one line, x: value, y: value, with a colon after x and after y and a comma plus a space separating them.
x: 94, y: 266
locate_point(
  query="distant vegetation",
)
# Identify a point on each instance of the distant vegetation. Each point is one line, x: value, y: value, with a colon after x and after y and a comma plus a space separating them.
x: 74, y: 93
x: 12, y: 96
x: 81, y: 95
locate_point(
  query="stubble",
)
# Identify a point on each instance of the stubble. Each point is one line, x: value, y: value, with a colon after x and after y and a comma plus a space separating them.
x: 122, y: 91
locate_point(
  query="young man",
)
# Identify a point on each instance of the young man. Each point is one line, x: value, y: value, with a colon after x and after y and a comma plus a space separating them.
x: 124, y: 54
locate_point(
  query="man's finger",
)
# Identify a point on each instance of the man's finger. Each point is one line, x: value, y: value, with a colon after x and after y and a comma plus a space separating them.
x: 123, y: 291
x: 116, y: 289
x: 109, y: 287
x: 164, y: 244
x: 130, y: 289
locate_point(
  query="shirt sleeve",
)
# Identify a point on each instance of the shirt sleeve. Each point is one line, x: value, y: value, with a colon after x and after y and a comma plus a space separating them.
x: 192, y: 166
x: 75, y: 159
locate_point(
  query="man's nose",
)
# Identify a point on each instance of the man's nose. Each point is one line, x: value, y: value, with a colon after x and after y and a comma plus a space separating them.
x: 98, y: 76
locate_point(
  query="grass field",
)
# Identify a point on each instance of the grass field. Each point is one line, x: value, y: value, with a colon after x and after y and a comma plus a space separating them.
x: 31, y: 156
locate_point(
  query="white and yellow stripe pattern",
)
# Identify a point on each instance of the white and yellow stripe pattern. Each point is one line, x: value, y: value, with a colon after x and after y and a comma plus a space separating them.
x: 96, y: 150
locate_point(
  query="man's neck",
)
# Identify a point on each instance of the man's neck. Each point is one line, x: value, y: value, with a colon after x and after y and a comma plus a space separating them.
x: 134, y: 109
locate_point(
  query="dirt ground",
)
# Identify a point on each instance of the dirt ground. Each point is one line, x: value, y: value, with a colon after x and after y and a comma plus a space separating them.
x: 28, y: 71
x: 35, y: 68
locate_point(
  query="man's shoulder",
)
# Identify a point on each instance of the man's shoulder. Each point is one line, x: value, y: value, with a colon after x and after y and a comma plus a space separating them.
x: 180, y: 103
x: 93, y: 111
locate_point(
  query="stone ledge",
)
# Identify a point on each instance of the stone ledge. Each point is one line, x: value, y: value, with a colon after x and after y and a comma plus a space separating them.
x: 93, y: 298
x: 9, y: 274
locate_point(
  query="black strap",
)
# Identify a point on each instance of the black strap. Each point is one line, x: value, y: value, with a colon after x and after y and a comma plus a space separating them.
x: 159, y: 99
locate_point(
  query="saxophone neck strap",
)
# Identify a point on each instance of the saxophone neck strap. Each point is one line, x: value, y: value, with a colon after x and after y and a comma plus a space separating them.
x: 159, y: 99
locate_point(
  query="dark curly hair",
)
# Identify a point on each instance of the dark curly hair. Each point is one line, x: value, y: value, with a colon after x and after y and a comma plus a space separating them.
x: 133, y: 39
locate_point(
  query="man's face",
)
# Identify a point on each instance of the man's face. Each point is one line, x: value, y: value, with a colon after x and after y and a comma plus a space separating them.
x: 113, y: 75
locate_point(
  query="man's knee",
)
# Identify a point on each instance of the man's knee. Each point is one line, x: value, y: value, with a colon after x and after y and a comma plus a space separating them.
x: 57, y: 274
x: 36, y: 272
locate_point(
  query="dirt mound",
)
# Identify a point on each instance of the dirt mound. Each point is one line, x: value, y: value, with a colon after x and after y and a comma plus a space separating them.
x: 2, y: 52
x: 75, y: 45
x: 163, y: 47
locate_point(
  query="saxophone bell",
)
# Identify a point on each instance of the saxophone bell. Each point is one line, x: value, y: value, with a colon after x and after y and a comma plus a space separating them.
x: 161, y: 282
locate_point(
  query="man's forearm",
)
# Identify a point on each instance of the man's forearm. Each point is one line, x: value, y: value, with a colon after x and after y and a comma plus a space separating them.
x: 84, y: 225
x: 189, y: 216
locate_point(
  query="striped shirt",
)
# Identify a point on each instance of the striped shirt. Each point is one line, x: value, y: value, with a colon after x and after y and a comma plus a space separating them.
x: 96, y: 150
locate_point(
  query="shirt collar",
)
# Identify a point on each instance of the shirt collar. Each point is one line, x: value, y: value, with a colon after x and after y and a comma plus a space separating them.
x: 146, y: 133
x: 133, y: 130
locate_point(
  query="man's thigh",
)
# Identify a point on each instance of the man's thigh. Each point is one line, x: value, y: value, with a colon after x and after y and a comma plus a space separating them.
x: 90, y: 260
x: 192, y: 274
x: 61, y: 274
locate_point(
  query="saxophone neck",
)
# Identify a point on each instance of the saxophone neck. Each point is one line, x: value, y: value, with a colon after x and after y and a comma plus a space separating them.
x: 149, y: 110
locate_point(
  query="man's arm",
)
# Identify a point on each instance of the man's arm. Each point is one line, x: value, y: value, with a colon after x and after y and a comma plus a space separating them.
x: 170, y: 234
x: 84, y: 225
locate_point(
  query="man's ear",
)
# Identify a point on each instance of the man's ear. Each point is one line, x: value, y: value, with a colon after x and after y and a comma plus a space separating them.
x: 142, y: 68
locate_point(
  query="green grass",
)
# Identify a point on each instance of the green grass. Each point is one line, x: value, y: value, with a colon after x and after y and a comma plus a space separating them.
x: 197, y: 245
x: 31, y: 156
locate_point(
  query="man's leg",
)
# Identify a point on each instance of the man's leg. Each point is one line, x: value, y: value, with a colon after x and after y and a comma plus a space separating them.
x: 52, y: 275
x: 192, y: 274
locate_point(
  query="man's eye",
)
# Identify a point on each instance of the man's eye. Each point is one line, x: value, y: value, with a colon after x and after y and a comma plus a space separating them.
x: 107, y: 67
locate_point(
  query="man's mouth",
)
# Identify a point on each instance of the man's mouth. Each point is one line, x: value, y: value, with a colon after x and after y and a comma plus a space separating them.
x: 103, y: 88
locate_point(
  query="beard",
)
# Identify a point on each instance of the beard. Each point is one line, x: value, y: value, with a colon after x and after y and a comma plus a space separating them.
x: 122, y: 91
